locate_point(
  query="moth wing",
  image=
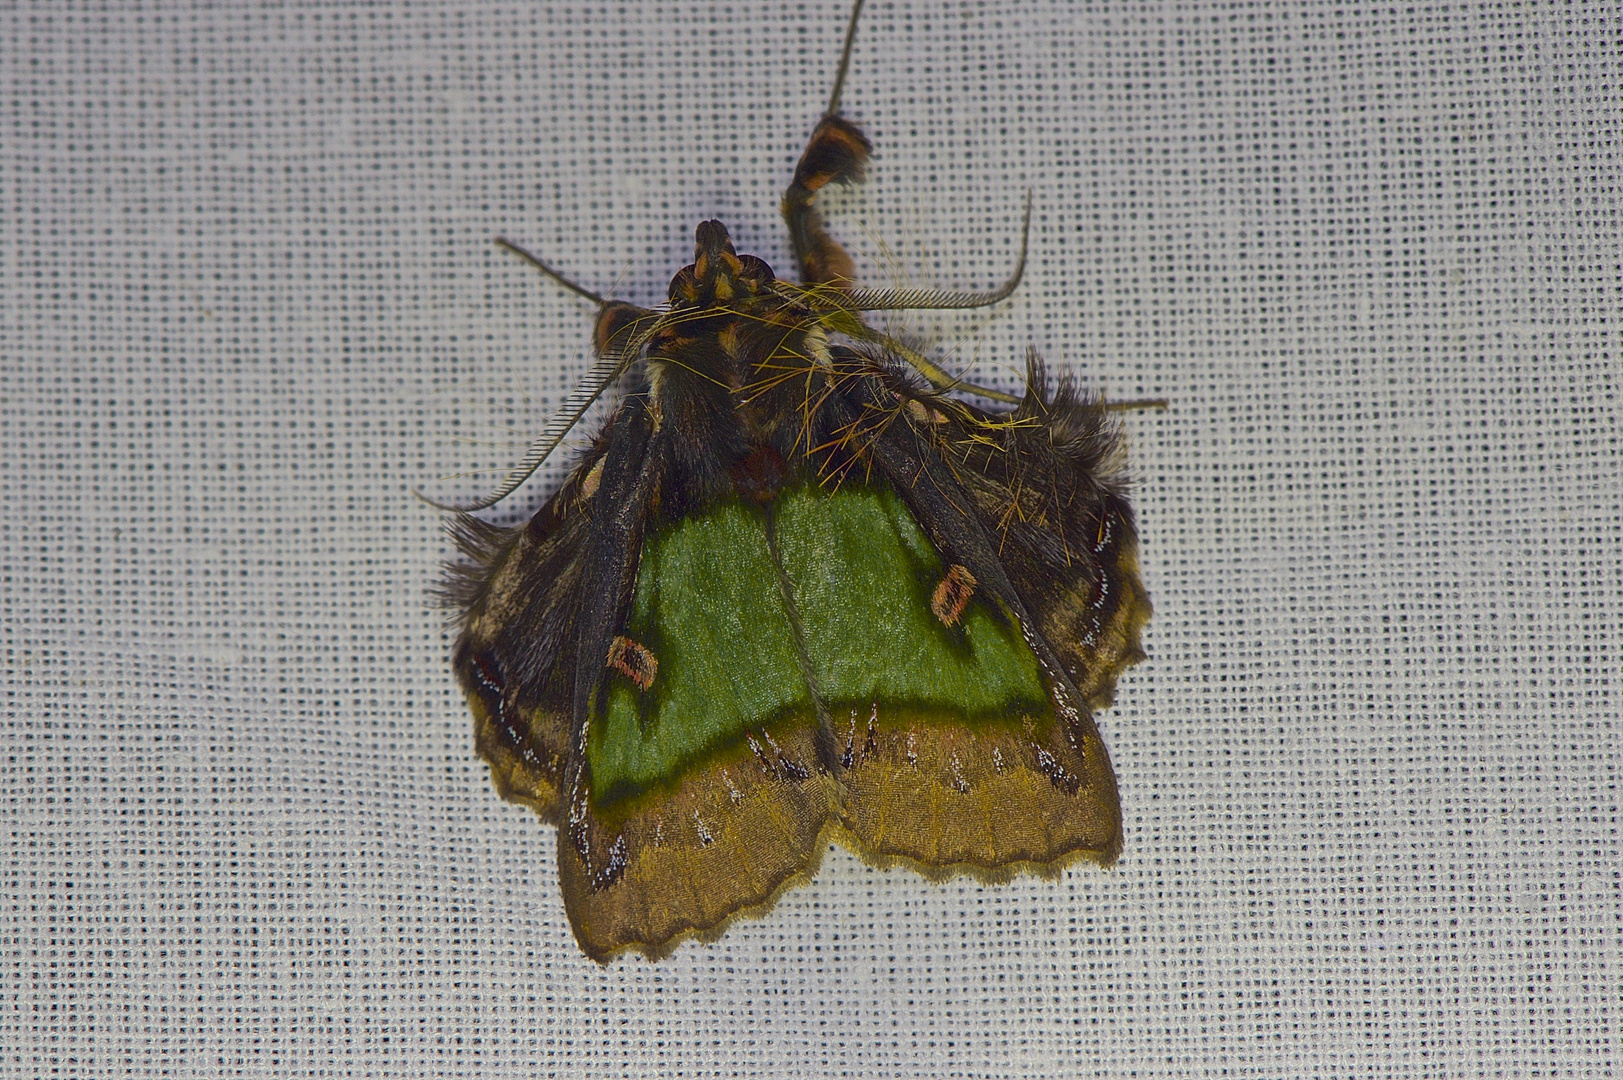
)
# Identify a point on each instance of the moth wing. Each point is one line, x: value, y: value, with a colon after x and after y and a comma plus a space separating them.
x: 700, y: 791
x: 944, y: 794
x: 519, y: 593
x: 721, y: 839
x: 1053, y: 491
x: 1037, y: 788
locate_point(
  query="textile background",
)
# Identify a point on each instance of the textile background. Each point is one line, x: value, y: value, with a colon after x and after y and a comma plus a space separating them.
x: 249, y: 301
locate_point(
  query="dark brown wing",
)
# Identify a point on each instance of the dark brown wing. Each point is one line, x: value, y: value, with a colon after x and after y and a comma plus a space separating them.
x: 519, y: 593
x: 1051, y: 482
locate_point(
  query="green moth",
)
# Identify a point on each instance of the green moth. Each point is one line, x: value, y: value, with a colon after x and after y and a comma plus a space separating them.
x: 794, y: 591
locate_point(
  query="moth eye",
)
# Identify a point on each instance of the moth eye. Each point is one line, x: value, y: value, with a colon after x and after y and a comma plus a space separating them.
x: 953, y: 595
x: 614, y: 325
x: 754, y: 270
x: 684, y: 287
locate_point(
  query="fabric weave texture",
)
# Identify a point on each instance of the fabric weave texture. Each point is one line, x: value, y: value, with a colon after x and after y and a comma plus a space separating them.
x: 249, y: 301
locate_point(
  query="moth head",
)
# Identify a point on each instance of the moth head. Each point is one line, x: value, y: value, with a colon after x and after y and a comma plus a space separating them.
x: 718, y: 276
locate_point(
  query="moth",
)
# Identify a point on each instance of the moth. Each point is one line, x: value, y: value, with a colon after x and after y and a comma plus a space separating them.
x: 799, y: 589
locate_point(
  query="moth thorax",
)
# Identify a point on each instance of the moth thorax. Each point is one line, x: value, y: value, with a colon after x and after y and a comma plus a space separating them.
x: 760, y: 474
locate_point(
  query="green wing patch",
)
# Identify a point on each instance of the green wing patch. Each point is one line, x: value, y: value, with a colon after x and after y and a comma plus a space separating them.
x: 863, y: 574
x: 710, y: 608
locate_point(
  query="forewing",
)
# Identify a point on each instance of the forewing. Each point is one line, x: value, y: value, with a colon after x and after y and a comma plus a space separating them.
x: 519, y: 592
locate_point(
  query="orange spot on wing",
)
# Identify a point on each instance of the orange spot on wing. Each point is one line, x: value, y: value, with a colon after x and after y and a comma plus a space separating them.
x: 634, y: 661
x: 953, y: 595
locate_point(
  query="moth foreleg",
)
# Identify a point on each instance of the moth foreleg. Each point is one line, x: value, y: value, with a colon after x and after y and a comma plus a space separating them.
x: 836, y: 153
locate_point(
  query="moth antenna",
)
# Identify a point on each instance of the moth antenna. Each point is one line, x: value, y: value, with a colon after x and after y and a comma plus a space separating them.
x: 535, y: 261
x: 609, y: 367
x: 605, y: 371
x: 845, y: 60
x: 938, y: 299
x: 612, y: 362
x: 937, y: 376
x: 1037, y: 390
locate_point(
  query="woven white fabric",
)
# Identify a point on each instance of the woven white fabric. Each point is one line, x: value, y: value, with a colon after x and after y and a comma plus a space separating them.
x: 1370, y: 770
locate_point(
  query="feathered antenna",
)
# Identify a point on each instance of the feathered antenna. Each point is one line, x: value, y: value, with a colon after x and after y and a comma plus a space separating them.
x: 614, y: 357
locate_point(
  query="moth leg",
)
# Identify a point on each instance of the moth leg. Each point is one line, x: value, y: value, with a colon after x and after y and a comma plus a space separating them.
x: 837, y: 153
